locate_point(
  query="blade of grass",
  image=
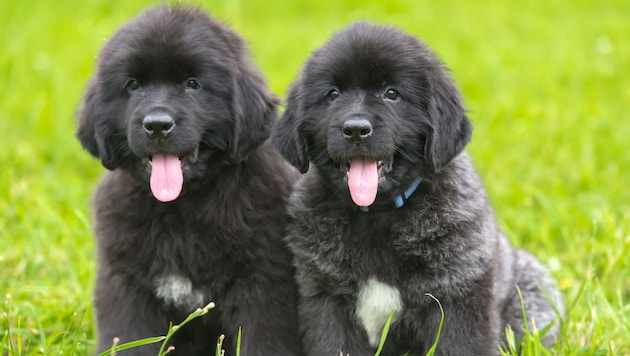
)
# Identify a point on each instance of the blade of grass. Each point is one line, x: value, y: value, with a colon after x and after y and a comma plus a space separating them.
x: 173, y: 329
x: 8, y: 332
x: 525, y: 319
x: 384, y: 334
x: 238, y: 341
x: 131, y: 344
x: 75, y: 341
x: 433, y: 348
x: 42, y: 336
x: 511, y: 342
x: 219, y: 350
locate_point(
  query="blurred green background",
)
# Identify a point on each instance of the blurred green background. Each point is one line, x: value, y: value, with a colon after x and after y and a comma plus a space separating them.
x: 547, y: 85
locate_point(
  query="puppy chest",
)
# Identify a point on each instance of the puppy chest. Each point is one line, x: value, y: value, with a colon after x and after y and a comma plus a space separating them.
x: 178, y: 291
x: 375, y: 302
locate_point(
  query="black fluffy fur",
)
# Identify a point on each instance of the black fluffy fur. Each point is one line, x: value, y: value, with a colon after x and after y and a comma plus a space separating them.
x: 444, y: 241
x: 221, y: 239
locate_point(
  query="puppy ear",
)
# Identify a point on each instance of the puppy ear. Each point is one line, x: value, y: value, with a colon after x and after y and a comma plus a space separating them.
x: 254, y: 110
x: 450, y: 127
x: 95, y: 135
x: 286, y: 137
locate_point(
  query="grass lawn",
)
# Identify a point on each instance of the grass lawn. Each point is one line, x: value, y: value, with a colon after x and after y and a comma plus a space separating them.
x: 548, y: 88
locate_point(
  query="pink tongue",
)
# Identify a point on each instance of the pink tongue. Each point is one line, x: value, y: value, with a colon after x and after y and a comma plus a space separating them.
x: 363, y: 181
x: 166, y: 177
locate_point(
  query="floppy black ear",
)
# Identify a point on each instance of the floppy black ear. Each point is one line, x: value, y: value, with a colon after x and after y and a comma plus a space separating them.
x: 451, y: 128
x: 254, y: 111
x: 95, y: 133
x: 285, y: 135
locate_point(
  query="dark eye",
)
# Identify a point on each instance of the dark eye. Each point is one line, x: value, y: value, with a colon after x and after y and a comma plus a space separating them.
x: 192, y: 84
x: 332, y: 94
x: 391, y: 94
x: 131, y: 84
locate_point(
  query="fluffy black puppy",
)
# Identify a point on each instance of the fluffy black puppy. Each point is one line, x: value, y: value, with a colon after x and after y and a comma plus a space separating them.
x: 391, y: 208
x: 194, y: 207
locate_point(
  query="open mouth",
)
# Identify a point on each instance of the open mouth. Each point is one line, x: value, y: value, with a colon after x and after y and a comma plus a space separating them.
x: 382, y: 167
x: 167, y: 173
x: 364, y: 174
x: 185, y: 160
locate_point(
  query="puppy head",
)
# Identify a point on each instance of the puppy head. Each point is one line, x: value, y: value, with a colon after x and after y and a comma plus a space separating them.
x: 176, y: 85
x: 373, y: 95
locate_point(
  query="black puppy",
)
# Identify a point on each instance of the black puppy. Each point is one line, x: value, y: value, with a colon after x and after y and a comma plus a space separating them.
x: 194, y: 207
x: 391, y: 209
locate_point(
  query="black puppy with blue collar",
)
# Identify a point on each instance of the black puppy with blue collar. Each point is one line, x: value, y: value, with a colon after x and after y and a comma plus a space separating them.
x: 390, y: 209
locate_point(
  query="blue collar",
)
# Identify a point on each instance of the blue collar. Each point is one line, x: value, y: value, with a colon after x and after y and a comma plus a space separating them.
x: 400, y: 200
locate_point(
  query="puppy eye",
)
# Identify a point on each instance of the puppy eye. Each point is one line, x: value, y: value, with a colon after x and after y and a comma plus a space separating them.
x: 332, y: 94
x: 391, y: 94
x: 192, y: 84
x: 132, y: 84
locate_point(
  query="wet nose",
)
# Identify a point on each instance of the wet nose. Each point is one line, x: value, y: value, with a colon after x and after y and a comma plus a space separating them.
x: 356, y: 130
x: 159, y: 124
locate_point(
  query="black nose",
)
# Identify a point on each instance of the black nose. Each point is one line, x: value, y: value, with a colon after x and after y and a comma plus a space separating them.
x: 158, y: 124
x: 356, y: 130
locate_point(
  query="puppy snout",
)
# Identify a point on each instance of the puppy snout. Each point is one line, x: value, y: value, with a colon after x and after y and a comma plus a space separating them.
x: 356, y: 130
x: 158, y: 125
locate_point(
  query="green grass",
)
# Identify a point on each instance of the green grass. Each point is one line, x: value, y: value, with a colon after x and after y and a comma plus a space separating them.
x: 547, y: 85
x: 165, y: 349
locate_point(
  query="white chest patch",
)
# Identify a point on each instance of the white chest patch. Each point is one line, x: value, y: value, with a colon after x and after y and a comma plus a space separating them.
x: 178, y: 291
x: 375, y: 302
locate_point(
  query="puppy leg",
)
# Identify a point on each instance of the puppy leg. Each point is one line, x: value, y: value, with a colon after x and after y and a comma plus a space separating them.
x: 532, y: 279
x: 327, y: 329
x: 266, y: 311
x: 470, y: 325
x: 123, y: 312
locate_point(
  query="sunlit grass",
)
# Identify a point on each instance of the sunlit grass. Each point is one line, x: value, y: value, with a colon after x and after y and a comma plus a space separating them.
x: 546, y: 84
